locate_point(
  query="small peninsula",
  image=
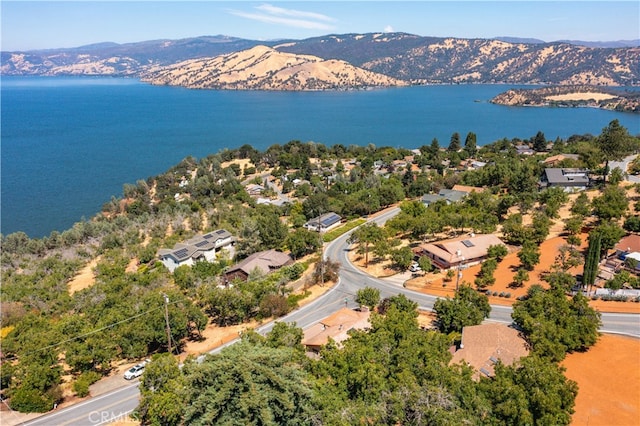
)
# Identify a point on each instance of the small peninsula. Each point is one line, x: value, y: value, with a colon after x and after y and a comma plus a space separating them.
x: 572, y: 96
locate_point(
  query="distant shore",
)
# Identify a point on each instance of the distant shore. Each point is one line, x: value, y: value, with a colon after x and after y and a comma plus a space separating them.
x: 572, y: 96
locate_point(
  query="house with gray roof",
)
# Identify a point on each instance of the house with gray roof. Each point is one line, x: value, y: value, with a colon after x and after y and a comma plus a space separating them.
x: 569, y: 179
x: 324, y: 222
x: 447, y: 195
x: 199, y: 248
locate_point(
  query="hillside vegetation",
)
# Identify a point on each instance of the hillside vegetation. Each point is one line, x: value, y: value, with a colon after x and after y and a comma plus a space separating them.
x: 55, y: 340
x: 400, y: 56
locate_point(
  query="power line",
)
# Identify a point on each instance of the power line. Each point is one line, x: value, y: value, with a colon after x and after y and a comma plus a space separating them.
x: 89, y: 333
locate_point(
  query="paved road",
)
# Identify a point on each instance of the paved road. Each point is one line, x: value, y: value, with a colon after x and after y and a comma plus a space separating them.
x: 115, y: 405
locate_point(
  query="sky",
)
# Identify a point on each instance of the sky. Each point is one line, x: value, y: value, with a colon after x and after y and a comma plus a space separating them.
x: 29, y: 25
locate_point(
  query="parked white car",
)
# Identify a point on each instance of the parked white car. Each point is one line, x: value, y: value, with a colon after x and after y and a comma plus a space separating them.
x: 136, y: 370
x: 414, y: 267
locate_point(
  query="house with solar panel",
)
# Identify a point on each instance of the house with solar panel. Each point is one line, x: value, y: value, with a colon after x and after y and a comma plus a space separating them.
x: 324, y: 222
x: 468, y: 250
x: 199, y: 248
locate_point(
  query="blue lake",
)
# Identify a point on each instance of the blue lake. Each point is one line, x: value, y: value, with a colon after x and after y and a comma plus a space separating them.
x: 70, y: 143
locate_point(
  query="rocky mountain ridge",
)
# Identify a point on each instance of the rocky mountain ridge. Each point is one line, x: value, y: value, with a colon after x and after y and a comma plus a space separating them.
x: 400, y: 56
x: 264, y: 68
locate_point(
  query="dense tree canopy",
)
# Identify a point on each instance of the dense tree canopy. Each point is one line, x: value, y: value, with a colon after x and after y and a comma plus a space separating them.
x: 555, y: 324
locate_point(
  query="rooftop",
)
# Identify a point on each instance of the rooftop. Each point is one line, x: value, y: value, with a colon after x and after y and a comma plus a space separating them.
x: 469, y: 247
x: 336, y: 327
x: 483, y: 345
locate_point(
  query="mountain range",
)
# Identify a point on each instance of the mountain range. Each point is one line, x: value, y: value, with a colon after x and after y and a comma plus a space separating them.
x: 339, y: 61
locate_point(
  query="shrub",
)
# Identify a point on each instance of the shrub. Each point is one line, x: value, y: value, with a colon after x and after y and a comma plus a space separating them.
x: 507, y: 295
x: 82, y: 383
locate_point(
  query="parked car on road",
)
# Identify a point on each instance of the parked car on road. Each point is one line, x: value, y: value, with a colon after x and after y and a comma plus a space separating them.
x: 136, y: 370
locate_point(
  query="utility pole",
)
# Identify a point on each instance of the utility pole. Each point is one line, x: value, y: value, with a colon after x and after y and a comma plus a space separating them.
x: 166, y: 318
x: 321, y: 250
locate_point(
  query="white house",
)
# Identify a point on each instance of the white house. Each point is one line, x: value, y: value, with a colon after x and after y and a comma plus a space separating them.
x: 199, y: 248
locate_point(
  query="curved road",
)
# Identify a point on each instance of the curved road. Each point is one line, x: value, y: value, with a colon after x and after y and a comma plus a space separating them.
x: 115, y: 405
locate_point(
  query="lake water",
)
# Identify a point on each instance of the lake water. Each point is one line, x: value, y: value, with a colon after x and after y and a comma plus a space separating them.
x: 70, y: 143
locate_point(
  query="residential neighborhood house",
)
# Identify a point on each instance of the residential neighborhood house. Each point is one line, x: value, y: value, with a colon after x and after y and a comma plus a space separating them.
x: 263, y: 261
x: 324, y: 222
x: 568, y: 179
x: 335, y: 327
x: 199, y: 248
x: 448, y: 195
x: 483, y: 345
x: 463, y: 251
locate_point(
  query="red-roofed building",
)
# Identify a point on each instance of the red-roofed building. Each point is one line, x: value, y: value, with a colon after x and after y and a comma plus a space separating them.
x: 450, y: 253
x: 628, y: 244
x: 483, y: 345
x: 335, y: 327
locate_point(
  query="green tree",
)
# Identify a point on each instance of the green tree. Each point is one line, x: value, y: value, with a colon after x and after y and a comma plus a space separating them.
x: 520, y: 277
x: 498, y: 252
x: 366, y: 235
x: 610, y: 233
x: 425, y: 263
x: 284, y: 335
x: 612, y: 204
x: 402, y: 257
x: 529, y: 255
x: 248, y: 384
x: 532, y: 391
x: 539, y: 142
x: 468, y: 307
x: 368, y: 296
x: 632, y: 223
x: 470, y: 144
x: 615, y: 143
x: 554, y: 324
x: 271, y: 231
x: 454, y: 144
x: 592, y: 261
x: 162, y: 384
x: 302, y: 242
x: 581, y: 205
x: 485, y: 276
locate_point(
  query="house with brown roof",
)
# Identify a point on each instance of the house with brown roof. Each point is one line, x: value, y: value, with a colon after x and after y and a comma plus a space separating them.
x: 483, y: 345
x: 335, y: 327
x: 460, y: 251
x: 628, y: 244
x: 263, y: 261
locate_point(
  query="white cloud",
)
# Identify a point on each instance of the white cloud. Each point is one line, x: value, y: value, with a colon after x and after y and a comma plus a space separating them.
x: 388, y: 29
x: 274, y: 10
x: 288, y: 17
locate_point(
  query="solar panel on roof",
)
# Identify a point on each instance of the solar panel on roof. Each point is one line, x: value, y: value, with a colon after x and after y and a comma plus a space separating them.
x: 202, y: 244
x: 182, y: 252
x: 467, y: 243
x: 221, y: 231
x: 329, y: 219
